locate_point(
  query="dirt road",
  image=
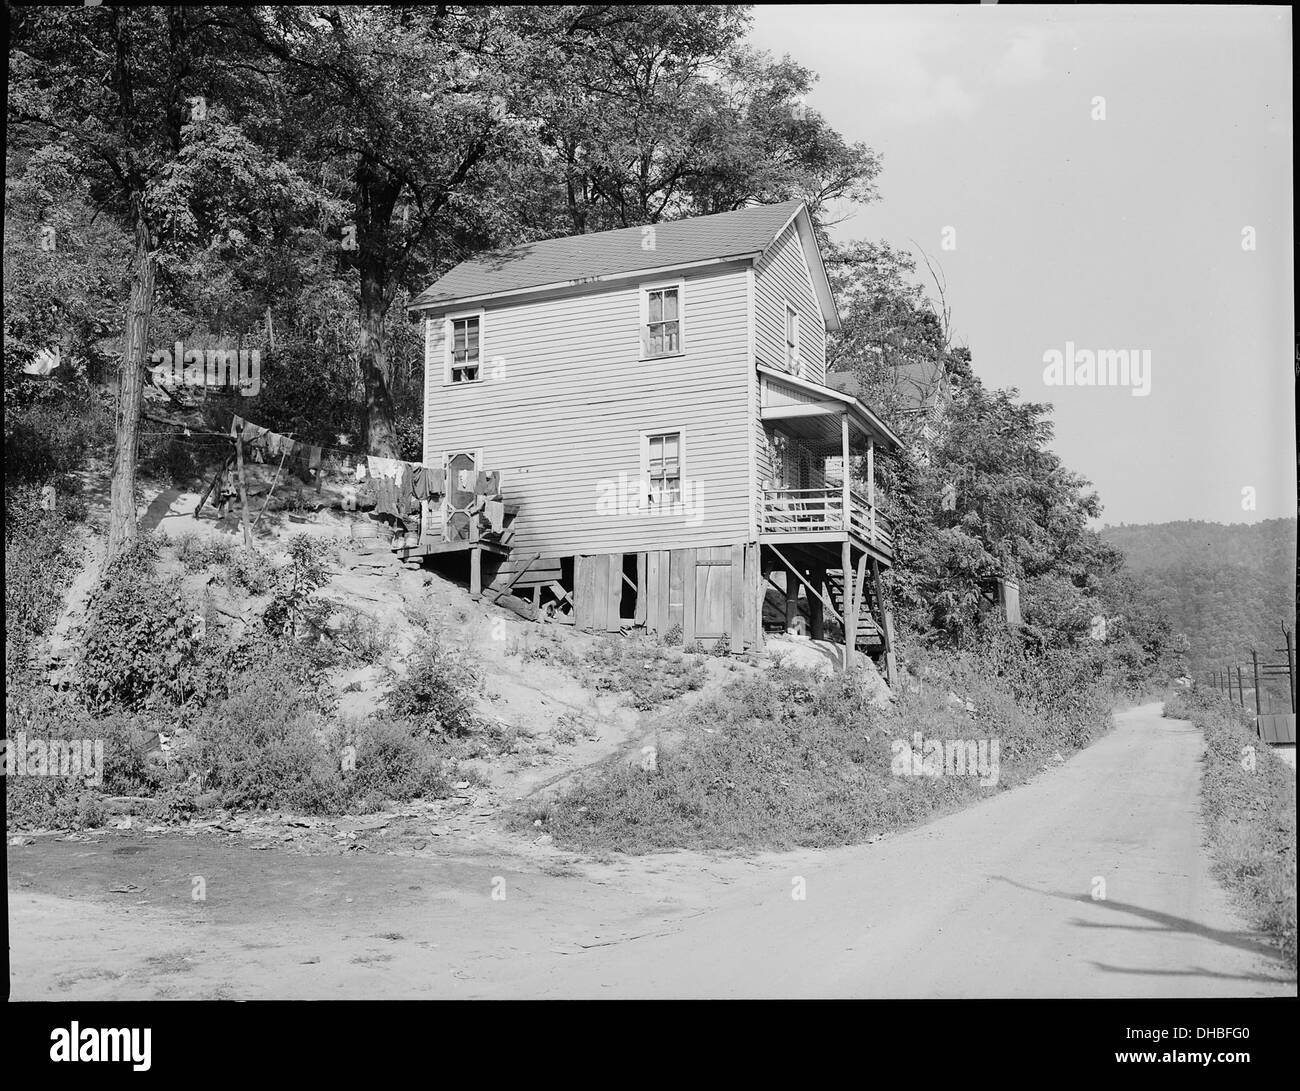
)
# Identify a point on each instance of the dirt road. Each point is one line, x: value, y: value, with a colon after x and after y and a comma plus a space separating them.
x: 997, y: 900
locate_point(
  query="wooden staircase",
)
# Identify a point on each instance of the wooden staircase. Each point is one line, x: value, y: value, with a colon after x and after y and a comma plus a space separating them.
x: 869, y: 636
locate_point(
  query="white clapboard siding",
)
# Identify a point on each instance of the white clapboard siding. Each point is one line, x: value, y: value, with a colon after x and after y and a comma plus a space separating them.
x: 565, y: 398
x: 783, y: 277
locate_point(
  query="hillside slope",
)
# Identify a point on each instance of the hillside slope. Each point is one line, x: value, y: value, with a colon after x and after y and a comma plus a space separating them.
x: 1227, y: 588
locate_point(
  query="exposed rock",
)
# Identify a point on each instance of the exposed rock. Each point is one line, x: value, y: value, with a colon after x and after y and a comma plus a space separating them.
x: 826, y: 658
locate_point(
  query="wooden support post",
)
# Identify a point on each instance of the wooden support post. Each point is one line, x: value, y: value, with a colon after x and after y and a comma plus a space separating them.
x: 791, y: 598
x: 844, y: 449
x: 754, y: 593
x: 1241, y: 690
x: 1254, y: 659
x: 846, y: 567
x: 886, y: 622
x: 243, y: 486
x: 871, y: 483
x: 475, y: 573
x: 816, y: 608
x: 860, y: 588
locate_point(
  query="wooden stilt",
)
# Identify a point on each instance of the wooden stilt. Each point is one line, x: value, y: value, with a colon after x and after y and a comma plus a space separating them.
x: 791, y: 598
x: 850, y: 607
x: 476, y: 573
x: 886, y: 624
x: 816, y: 608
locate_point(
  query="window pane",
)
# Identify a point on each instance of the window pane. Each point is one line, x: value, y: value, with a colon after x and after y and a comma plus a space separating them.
x: 670, y: 305
x: 656, y: 306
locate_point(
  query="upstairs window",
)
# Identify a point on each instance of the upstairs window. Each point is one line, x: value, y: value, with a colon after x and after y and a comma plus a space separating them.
x: 791, y: 340
x: 465, y: 348
x: 662, y: 455
x: 661, y: 321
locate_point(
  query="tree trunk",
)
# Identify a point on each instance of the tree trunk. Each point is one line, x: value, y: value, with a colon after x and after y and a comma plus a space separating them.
x: 380, y: 436
x: 377, y: 195
x: 122, y: 525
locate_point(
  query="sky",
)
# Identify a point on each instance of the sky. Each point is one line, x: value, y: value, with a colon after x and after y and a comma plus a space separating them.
x: 1098, y: 174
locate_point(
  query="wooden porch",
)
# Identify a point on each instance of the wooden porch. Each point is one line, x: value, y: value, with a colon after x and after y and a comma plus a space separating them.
x: 824, y: 515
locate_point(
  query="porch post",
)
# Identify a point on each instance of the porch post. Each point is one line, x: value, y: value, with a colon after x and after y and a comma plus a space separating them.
x: 844, y: 449
x: 871, y: 482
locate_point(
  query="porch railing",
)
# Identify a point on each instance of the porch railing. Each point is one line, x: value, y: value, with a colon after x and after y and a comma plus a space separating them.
x: 808, y: 511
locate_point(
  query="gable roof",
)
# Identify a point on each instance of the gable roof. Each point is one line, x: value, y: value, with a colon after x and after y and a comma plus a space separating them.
x: 607, y: 255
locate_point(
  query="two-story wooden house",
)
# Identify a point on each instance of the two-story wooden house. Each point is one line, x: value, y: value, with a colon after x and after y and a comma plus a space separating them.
x: 655, y: 402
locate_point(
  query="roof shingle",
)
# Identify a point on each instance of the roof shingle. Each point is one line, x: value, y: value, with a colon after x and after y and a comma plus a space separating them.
x: 578, y: 257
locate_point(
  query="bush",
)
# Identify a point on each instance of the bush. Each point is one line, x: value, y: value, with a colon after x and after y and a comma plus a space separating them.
x: 262, y: 746
x: 438, y: 691
x: 197, y: 552
x: 50, y: 438
x: 253, y: 570
x: 394, y: 761
x: 56, y: 802
x: 42, y: 558
x: 139, y: 638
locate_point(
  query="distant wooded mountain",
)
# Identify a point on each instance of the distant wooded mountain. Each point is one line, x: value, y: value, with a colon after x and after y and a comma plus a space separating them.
x: 1226, y: 587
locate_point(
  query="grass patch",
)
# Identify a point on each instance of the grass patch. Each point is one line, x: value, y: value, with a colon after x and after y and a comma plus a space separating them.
x: 648, y: 673
x: 1248, y: 801
x: 792, y: 759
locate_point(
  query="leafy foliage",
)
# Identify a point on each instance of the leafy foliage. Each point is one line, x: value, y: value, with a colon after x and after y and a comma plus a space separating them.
x: 139, y: 635
x: 437, y: 691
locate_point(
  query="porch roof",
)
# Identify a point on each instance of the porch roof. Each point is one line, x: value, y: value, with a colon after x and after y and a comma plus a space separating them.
x: 807, y: 406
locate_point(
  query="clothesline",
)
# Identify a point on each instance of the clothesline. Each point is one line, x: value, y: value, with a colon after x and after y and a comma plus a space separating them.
x: 396, y: 481
x: 260, y: 431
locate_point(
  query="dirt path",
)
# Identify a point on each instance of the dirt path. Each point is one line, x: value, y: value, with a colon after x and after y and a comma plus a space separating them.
x: 993, y: 901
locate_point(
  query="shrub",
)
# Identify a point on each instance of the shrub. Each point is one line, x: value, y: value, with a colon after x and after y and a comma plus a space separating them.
x: 438, y: 691
x: 197, y: 552
x: 52, y: 437
x: 394, y: 761
x: 253, y: 570
x: 42, y: 558
x: 139, y: 637
x: 262, y: 746
x: 293, y: 610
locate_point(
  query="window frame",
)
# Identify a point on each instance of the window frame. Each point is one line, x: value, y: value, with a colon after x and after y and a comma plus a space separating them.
x: 448, y: 337
x: 793, y: 348
x: 646, y: 493
x: 643, y: 330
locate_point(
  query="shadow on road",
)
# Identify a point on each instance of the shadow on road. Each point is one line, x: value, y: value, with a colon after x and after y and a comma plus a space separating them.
x: 1166, y: 922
